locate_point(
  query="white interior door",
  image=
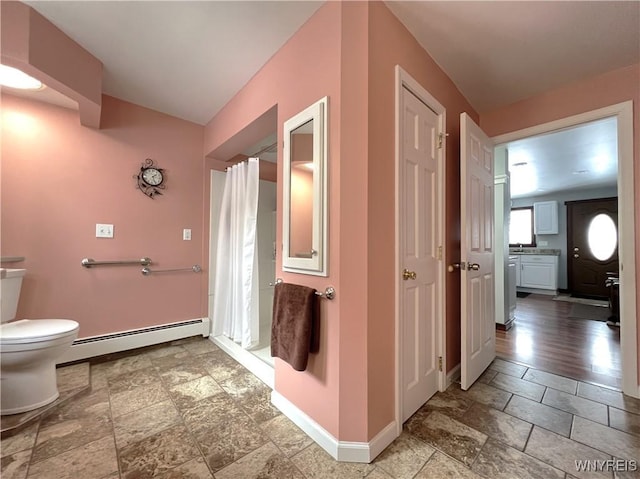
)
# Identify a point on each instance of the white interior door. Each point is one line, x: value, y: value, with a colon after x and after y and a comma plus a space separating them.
x: 478, y: 330
x: 418, y: 248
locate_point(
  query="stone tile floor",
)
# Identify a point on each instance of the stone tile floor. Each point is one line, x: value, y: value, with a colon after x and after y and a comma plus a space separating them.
x: 187, y: 410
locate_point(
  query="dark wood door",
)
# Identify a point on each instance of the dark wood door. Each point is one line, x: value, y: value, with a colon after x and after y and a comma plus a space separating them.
x: 592, y: 251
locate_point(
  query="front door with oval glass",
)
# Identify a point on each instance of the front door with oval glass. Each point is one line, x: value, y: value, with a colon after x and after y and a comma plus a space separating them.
x: 592, y: 245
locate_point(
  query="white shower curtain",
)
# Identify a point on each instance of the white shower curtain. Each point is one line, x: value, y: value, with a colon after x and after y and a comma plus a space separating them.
x: 235, y: 308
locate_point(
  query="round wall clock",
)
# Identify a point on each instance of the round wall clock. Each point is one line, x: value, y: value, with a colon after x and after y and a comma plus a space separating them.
x: 150, y: 178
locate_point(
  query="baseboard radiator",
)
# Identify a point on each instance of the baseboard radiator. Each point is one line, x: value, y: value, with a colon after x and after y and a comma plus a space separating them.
x: 93, y: 346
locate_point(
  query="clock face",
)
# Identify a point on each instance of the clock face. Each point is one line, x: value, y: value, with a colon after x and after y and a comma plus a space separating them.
x: 152, y: 176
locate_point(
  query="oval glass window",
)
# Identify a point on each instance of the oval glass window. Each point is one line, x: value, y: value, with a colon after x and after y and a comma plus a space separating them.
x: 602, y: 237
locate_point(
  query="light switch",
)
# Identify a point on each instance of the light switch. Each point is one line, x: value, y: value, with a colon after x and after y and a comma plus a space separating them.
x: 186, y: 234
x: 104, y: 231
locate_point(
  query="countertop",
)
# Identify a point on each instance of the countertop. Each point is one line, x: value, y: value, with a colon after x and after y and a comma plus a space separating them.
x: 546, y: 251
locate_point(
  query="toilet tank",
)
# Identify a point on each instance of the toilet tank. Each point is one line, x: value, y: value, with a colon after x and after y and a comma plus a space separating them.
x: 10, y: 284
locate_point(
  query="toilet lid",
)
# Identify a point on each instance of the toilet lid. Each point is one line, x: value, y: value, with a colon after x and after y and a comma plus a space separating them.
x: 35, y: 330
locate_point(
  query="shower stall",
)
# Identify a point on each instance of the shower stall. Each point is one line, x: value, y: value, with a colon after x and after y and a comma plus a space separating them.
x: 256, y: 357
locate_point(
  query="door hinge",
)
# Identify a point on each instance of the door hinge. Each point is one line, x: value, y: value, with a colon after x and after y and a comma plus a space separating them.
x: 441, y: 137
x: 439, y: 252
x: 440, y: 363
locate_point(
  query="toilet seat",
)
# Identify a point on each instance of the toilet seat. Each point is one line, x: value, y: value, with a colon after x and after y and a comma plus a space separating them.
x: 27, y: 331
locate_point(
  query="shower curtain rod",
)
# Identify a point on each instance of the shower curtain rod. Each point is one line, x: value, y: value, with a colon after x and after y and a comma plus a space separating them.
x: 256, y: 154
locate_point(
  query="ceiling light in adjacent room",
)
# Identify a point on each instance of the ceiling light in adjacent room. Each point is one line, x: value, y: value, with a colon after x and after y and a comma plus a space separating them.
x: 524, y: 180
x: 14, y: 78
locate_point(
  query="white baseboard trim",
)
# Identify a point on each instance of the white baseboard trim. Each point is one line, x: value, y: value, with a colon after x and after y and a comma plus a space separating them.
x: 343, y: 451
x: 453, y: 375
x: 90, y: 347
x: 255, y: 365
x: 382, y: 440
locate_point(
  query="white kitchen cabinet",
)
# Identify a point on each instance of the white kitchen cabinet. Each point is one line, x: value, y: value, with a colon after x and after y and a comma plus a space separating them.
x: 545, y: 218
x: 539, y: 271
x: 517, y: 263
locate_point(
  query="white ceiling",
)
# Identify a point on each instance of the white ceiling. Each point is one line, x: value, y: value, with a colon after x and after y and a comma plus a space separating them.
x: 184, y: 58
x: 189, y: 58
x: 577, y: 158
x: 500, y: 52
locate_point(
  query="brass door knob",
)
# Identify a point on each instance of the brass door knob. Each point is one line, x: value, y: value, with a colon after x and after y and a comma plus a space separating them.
x: 452, y: 267
x: 406, y: 274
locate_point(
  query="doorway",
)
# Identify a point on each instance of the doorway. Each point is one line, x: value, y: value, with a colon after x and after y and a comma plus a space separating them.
x: 628, y: 326
x: 419, y: 286
x: 592, y: 246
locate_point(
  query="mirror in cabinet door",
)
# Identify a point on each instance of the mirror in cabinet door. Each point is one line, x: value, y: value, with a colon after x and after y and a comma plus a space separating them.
x: 304, y: 224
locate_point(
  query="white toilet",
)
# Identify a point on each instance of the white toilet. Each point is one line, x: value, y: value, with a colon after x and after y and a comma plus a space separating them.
x: 28, y: 351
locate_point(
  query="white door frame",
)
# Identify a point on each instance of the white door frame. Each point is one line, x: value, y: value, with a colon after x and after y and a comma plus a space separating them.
x: 626, y: 221
x: 403, y: 79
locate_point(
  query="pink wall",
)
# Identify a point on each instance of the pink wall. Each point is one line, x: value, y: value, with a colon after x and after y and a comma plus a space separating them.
x: 348, y: 51
x: 304, y: 70
x: 59, y: 179
x: 589, y: 94
x: 391, y: 44
x: 351, y: 169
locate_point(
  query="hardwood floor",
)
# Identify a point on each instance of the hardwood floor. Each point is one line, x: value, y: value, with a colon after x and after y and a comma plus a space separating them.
x: 545, y: 337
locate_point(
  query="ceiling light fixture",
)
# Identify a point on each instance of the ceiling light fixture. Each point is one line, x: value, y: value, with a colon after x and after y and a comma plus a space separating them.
x: 14, y: 78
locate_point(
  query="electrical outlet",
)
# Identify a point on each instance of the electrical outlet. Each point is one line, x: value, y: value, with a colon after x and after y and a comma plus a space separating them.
x: 186, y: 234
x: 543, y: 243
x: 104, y: 231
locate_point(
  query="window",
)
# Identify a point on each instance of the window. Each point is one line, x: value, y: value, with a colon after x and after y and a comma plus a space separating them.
x: 521, y: 227
x: 602, y: 237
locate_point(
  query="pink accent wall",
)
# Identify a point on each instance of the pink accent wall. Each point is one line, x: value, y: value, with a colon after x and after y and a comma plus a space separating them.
x: 589, y: 94
x: 59, y: 179
x: 392, y: 44
x: 348, y: 51
x: 304, y: 70
x: 352, y: 166
x: 37, y: 47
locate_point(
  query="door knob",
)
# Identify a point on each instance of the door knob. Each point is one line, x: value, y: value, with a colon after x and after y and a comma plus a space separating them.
x: 576, y: 255
x: 473, y: 266
x: 406, y: 274
x: 576, y: 249
x: 452, y: 267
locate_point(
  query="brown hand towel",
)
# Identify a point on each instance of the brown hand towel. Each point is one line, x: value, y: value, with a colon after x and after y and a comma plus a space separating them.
x: 295, y: 325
